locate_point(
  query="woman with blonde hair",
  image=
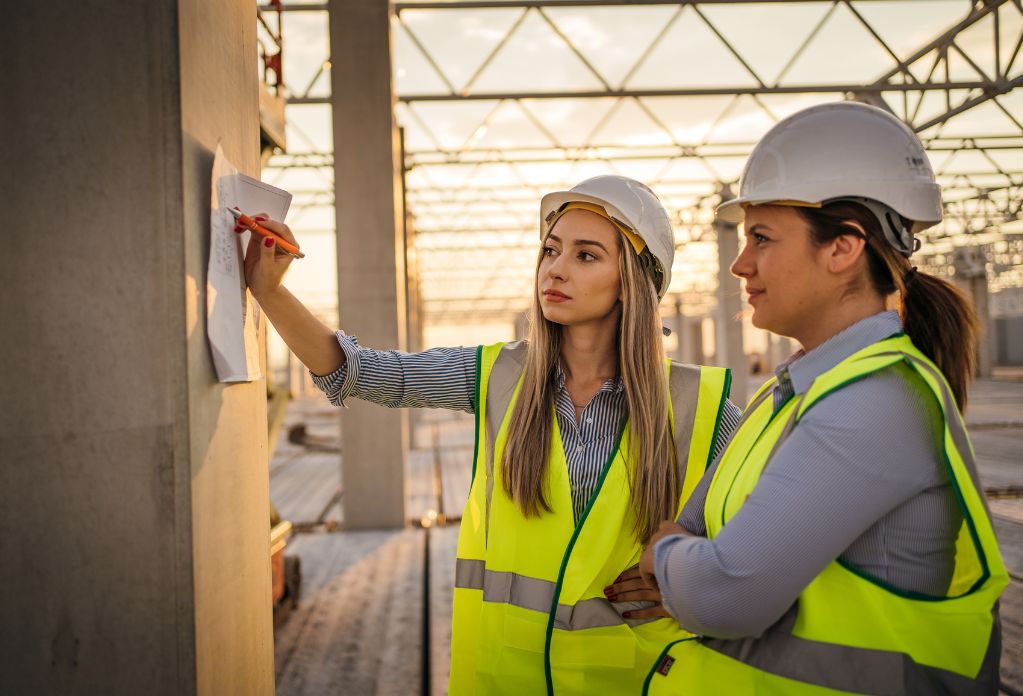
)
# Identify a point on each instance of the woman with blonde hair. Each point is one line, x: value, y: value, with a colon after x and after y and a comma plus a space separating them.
x: 586, y: 437
x: 842, y: 542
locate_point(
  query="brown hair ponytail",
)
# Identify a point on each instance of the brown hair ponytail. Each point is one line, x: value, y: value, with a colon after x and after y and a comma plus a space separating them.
x: 943, y: 324
x: 937, y: 316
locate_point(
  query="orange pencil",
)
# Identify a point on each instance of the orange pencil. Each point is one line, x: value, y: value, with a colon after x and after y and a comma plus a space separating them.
x: 248, y: 223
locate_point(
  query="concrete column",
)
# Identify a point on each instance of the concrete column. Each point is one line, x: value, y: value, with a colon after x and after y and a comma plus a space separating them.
x: 371, y: 262
x: 688, y: 334
x: 693, y: 351
x: 413, y: 306
x: 971, y: 277
x: 133, y: 486
x: 676, y: 322
x: 728, y: 339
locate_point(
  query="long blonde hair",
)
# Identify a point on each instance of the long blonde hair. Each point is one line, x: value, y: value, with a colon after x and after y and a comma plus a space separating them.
x: 655, y: 484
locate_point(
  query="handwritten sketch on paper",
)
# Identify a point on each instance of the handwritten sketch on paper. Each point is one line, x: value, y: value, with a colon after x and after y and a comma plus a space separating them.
x: 232, y: 317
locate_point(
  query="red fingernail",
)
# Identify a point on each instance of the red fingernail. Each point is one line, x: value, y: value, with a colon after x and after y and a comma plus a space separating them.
x: 268, y: 242
x: 612, y: 597
x: 627, y: 615
x: 261, y: 218
x: 238, y: 228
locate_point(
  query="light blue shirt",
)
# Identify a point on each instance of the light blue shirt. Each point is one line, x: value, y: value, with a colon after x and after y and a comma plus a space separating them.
x: 861, y: 477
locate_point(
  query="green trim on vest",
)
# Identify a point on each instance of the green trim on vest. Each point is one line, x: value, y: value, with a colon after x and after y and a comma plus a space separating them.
x: 770, y: 421
x: 721, y: 411
x: 476, y: 413
x: 660, y: 658
x: 568, y: 553
x: 953, y: 480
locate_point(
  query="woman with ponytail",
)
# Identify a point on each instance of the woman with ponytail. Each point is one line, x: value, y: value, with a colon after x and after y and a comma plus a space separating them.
x: 936, y: 315
x: 586, y: 437
x: 841, y: 543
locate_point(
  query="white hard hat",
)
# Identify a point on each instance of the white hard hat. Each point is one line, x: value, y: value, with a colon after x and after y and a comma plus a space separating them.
x: 633, y: 208
x: 843, y: 150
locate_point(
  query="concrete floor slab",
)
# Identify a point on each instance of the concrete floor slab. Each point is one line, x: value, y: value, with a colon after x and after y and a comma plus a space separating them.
x: 358, y: 628
x: 443, y: 544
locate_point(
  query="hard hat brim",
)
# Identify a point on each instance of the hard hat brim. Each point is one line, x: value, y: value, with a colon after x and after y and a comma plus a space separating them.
x: 553, y: 201
x: 734, y: 211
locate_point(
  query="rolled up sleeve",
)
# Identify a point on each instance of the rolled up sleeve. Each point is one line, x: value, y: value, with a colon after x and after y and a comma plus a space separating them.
x: 340, y: 383
x: 435, y: 378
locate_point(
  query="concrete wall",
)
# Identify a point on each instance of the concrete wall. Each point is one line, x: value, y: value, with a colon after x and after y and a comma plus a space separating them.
x: 228, y: 439
x: 133, y: 486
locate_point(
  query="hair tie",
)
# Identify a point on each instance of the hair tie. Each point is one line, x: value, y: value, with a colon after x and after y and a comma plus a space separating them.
x: 910, y: 275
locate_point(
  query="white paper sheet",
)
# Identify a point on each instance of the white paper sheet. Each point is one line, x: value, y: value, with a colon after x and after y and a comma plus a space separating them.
x: 232, y: 316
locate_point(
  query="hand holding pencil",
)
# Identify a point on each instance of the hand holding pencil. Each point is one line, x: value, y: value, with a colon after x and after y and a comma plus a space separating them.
x: 264, y: 265
x: 244, y: 222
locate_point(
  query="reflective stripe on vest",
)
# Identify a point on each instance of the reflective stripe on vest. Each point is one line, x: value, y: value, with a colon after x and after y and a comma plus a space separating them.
x: 529, y: 611
x: 537, y: 595
x: 848, y: 632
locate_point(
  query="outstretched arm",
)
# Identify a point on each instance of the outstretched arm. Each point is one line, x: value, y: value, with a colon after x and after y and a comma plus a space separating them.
x: 312, y: 342
x: 436, y: 378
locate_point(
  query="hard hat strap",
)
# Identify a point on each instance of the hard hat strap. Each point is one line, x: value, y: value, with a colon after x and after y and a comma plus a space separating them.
x: 897, y: 234
x: 653, y: 268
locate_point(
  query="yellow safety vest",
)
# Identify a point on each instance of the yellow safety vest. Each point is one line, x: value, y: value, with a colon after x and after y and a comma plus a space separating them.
x: 849, y: 632
x: 530, y: 614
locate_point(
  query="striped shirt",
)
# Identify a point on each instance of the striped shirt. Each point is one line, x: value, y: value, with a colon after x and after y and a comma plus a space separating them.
x: 861, y: 478
x: 446, y: 378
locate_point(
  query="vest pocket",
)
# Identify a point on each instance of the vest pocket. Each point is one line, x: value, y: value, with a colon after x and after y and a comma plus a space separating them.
x: 525, y: 630
x: 610, y: 646
x: 511, y: 659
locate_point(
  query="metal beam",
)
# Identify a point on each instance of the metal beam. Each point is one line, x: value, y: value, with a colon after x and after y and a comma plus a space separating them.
x: 1002, y: 87
x: 483, y: 5
x: 691, y: 92
x: 434, y: 158
x: 978, y: 12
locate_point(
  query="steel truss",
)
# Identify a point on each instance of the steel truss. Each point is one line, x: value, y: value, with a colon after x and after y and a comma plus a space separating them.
x: 941, y: 81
